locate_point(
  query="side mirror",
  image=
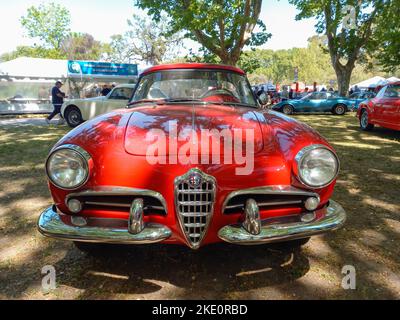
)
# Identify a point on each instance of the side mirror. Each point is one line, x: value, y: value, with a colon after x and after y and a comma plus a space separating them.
x: 263, y: 98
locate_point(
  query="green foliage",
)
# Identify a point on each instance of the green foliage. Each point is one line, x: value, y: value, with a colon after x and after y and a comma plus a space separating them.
x: 146, y: 41
x: 222, y: 27
x: 33, y: 52
x: 50, y: 23
x: 81, y: 46
x: 313, y: 62
x: 386, y: 46
x: 346, y: 42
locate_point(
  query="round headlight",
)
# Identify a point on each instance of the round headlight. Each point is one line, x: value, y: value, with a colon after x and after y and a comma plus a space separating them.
x: 67, y: 167
x: 316, y: 166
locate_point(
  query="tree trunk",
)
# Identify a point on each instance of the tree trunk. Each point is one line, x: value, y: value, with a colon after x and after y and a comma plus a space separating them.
x: 343, y: 75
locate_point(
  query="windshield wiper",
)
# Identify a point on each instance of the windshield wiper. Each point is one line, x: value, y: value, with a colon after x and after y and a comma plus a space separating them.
x: 177, y: 100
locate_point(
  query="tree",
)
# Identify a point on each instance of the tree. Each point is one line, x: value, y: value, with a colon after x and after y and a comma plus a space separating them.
x: 33, y: 52
x: 386, y: 49
x: 349, y: 26
x: 222, y: 27
x: 146, y: 41
x: 50, y: 23
x: 81, y: 46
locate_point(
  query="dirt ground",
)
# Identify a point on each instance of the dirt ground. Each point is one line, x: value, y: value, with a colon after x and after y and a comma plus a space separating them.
x: 368, y: 188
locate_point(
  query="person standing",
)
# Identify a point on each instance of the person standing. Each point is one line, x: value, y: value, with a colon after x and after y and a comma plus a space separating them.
x: 106, y: 90
x: 57, y: 99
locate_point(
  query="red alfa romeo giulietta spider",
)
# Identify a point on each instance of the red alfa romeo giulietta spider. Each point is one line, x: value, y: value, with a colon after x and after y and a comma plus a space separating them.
x: 192, y: 160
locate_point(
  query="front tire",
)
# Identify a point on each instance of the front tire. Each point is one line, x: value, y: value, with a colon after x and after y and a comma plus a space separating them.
x: 73, y: 116
x: 339, y: 109
x: 364, y: 121
x: 287, y: 109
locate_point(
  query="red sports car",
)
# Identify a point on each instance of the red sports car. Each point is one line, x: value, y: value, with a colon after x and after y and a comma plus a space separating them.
x: 383, y: 110
x: 192, y: 160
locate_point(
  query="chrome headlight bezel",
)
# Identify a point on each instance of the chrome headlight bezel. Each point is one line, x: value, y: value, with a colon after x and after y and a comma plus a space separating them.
x: 302, y: 154
x: 76, y: 151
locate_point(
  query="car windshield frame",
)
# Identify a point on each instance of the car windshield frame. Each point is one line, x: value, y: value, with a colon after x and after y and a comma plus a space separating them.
x: 194, y: 99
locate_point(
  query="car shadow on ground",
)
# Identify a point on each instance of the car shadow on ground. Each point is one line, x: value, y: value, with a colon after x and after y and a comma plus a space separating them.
x: 214, y: 271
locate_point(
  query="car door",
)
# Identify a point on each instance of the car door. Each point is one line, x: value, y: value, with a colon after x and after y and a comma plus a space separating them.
x: 116, y: 99
x: 377, y: 103
x: 319, y: 102
x: 309, y: 102
x: 390, y: 106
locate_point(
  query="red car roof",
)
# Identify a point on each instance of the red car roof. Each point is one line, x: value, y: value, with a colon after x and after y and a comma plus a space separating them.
x: 192, y: 66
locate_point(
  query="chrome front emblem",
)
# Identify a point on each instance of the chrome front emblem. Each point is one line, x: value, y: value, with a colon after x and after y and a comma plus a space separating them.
x: 194, y: 180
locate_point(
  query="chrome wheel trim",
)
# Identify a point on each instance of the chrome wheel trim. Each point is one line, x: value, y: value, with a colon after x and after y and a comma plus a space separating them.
x: 74, y: 117
x: 340, y: 110
x: 288, y: 109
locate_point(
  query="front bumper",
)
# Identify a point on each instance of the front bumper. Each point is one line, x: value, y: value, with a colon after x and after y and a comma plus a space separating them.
x: 51, y: 225
x: 335, y: 217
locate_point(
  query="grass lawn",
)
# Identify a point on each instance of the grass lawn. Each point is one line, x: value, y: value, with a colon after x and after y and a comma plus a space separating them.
x: 368, y: 188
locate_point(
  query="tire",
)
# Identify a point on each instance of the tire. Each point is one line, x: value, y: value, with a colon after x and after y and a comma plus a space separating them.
x: 364, y: 124
x: 339, y: 109
x: 73, y: 116
x: 287, y: 109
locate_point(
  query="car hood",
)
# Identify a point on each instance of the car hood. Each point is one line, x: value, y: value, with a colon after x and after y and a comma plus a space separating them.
x: 169, y: 129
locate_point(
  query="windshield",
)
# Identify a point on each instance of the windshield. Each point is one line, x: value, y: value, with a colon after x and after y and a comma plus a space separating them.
x: 217, y: 86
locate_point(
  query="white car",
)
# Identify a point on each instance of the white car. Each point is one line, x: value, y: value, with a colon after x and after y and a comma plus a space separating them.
x: 76, y: 111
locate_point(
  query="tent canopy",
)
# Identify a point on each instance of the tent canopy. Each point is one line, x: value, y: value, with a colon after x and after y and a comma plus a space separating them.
x: 372, y: 82
x: 34, y: 68
x: 375, y: 81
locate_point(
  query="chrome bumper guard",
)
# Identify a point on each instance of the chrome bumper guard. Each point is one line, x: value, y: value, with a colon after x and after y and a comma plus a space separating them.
x: 335, y: 217
x: 51, y: 225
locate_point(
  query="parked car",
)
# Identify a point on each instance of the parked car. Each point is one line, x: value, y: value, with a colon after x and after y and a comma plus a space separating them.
x: 316, y: 102
x: 76, y: 111
x: 358, y: 97
x: 121, y: 178
x: 383, y: 110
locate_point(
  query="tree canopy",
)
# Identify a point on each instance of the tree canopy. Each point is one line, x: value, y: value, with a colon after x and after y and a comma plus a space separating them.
x: 222, y: 27
x: 50, y: 23
x: 349, y: 26
x: 146, y: 41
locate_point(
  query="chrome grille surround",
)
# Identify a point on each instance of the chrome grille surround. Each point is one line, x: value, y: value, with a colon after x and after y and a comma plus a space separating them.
x: 97, y: 196
x: 283, y: 194
x: 194, y: 202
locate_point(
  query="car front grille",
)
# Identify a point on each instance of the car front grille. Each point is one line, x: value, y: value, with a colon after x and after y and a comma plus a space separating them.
x: 194, y: 201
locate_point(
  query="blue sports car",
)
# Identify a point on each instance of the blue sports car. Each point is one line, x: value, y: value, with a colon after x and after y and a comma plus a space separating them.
x: 358, y: 97
x: 316, y: 102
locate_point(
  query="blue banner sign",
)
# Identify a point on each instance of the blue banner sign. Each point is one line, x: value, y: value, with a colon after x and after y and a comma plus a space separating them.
x: 102, y: 69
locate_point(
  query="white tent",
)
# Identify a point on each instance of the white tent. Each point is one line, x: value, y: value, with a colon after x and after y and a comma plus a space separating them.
x: 392, y: 79
x: 27, y: 68
x: 372, y: 82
